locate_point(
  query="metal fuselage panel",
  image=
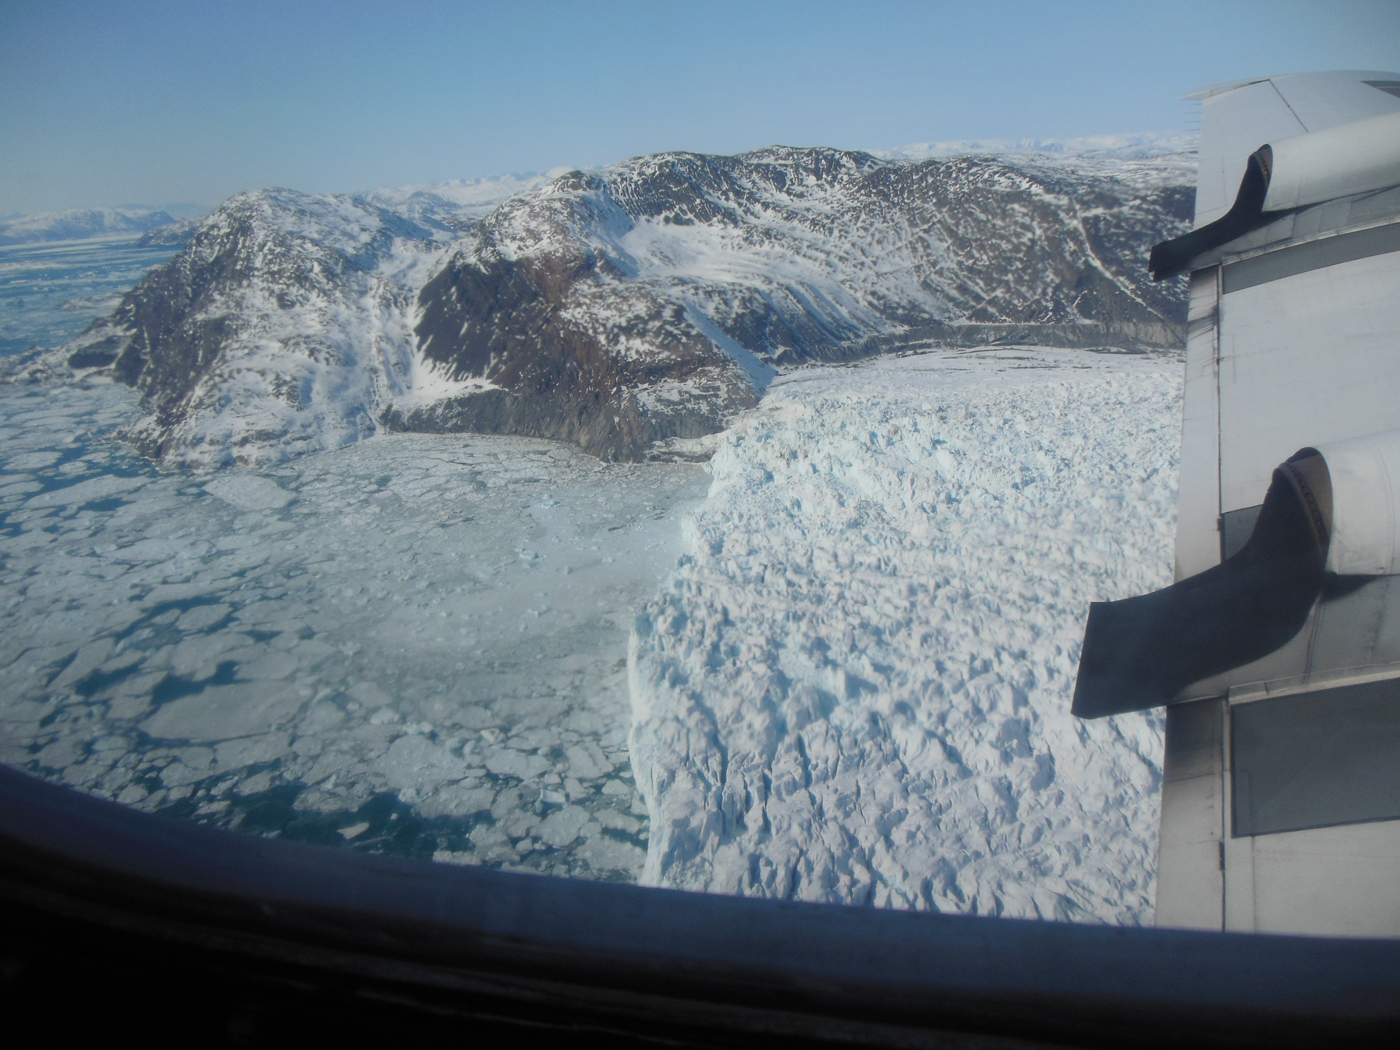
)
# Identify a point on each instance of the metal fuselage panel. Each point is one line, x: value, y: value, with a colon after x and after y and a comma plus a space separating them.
x: 1302, y: 360
x: 1191, y: 858
x: 1293, y: 342
x: 1337, y: 881
x: 1198, y: 499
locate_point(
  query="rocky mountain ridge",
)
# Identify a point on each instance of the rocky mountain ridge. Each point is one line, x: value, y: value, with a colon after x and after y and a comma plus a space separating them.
x: 624, y: 309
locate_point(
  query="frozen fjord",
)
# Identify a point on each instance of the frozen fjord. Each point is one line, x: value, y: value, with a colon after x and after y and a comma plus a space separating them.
x: 856, y: 687
x: 415, y: 644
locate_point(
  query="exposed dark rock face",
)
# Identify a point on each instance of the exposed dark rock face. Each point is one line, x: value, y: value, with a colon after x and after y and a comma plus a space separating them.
x: 621, y: 308
x: 575, y: 349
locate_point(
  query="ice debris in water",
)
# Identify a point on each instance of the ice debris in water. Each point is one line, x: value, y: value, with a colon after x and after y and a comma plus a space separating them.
x: 343, y: 649
x: 856, y: 687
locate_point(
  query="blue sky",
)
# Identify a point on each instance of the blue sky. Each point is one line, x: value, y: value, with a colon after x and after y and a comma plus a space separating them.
x: 111, y: 102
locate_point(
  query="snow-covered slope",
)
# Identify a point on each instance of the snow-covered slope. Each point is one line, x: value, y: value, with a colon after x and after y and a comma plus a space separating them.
x: 79, y: 223
x: 856, y: 687
x: 624, y: 309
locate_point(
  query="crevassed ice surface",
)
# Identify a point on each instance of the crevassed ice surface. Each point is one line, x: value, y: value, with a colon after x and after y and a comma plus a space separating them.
x: 416, y: 644
x: 856, y: 687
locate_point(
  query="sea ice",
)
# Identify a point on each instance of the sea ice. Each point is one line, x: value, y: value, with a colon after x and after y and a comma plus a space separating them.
x: 856, y: 686
x: 349, y: 648
x: 47, y: 290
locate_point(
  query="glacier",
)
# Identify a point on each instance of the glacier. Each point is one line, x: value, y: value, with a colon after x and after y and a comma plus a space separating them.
x: 855, y: 688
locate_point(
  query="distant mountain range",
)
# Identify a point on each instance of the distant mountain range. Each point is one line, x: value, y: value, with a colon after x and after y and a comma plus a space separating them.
x: 628, y: 309
x: 80, y: 223
x: 1116, y: 147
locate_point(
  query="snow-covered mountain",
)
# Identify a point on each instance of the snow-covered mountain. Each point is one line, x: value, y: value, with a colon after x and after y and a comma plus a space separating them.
x: 175, y: 233
x: 79, y: 223
x: 279, y: 328
x: 626, y: 308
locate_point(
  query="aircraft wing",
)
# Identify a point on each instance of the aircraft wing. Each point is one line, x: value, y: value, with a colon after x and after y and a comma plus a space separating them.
x: 1278, y: 648
x: 1238, y: 117
x: 1289, y: 506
